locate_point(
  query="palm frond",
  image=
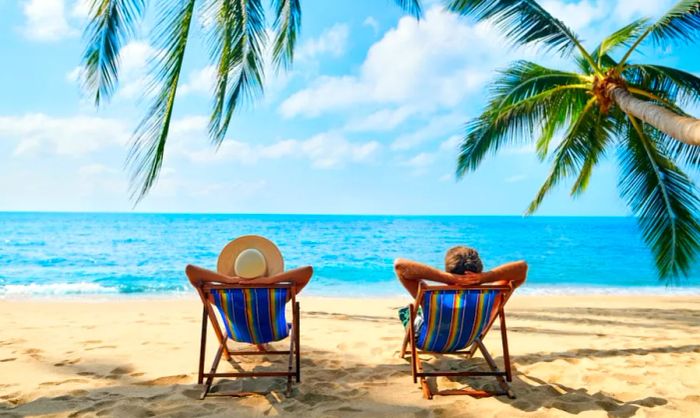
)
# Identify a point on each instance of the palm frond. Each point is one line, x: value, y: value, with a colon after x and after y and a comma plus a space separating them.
x: 412, y: 7
x: 584, y: 65
x: 511, y: 124
x: 243, y: 67
x: 287, y: 25
x: 681, y: 23
x: 674, y: 85
x: 621, y: 37
x: 663, y: 199
x: 573, y: 151
x: 112, y: 24
x: 524, y: 79
x: 148, y: 147
x: 523, y: 22
x: 526, y: 99
x: 601, y: 133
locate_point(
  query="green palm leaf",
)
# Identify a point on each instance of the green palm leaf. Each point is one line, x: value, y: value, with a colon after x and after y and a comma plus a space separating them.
x: 663, y: 199
x: 244, y: 60
x: 681, y: 23
x: 527, y: 99
x: 583, y: 143
x: 670, y: 83
x: 621, y: 37
x: 146, y: 155
x: 286, y: 26
x: 412, y: 7
x: 524, y: 22
x: 112, y: 24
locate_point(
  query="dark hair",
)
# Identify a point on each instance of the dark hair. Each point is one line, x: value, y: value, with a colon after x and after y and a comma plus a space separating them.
x: 460, y: 260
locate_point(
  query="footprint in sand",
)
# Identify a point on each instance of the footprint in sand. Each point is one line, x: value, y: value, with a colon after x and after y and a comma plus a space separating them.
x: 66, y: 362
x: 63, y: 382
x: 100, y: 347
x: 34, y: 353
x: 168, y: 380
x: 122, y: 370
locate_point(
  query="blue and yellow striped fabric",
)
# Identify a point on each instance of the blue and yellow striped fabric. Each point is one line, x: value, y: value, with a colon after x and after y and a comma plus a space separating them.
x: 253, y: 315
x: 454, y: 318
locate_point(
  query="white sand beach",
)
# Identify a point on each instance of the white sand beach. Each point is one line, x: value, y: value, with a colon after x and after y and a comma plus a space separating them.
x: 617, y: 356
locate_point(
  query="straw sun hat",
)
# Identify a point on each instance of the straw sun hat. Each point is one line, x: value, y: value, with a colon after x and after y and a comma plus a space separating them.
x: 250, y: 256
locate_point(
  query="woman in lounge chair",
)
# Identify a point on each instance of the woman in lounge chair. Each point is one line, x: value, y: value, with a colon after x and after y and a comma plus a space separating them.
x: 249, y: 291
x: 250, y: 259
x: 462, y: 266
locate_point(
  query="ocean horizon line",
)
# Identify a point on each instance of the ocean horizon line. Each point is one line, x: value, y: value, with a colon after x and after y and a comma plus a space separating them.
x: 286, y: 214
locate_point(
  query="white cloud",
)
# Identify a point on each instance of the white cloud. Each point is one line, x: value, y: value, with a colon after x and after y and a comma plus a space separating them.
x: 74, y: 75
x: 451, y: 144
x: 436, y: 62
x: 330, y: 150
x: 420, y: 160
x: 95, y: 170
x: 438, y: 126
x: 577, y: 15
x: 381, y: 120
x: 74, y: 136
x: 200, y: 81
x: 46, y: 20
x: 372, y: 23
x: 133, y: 61
x: 81, y: 9
x: 625, y: 11
x: 332, y: 41
x: 325, y: 150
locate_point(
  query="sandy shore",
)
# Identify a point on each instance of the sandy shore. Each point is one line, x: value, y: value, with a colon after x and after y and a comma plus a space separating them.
x: 592, y: 356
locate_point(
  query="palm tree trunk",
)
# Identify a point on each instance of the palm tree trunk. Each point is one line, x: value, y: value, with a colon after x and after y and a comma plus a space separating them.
x: 682, y: 128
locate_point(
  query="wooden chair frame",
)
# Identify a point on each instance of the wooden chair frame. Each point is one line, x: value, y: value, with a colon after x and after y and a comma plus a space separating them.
x: 417, y: 366
x: 209, y: 315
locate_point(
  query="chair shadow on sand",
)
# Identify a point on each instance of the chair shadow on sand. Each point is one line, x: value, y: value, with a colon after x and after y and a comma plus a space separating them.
x: 534, y: 393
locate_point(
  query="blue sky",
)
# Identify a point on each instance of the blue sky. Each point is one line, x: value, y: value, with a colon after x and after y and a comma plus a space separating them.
x: 367, y: 121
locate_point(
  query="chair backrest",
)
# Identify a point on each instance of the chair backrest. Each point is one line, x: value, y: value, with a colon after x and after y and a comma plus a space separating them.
x: 252, y: 314
x: 453, y: 317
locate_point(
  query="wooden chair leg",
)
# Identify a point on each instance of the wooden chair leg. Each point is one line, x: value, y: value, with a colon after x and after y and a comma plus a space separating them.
x: 214, y: 366
x: 412, y: 342
x: 425, y: 388
x: 492, y: 364
x: 404, y: 345
x: 297, y: 342
x: 504, y: 341
x: 202, y: 347
x: 289, y: 368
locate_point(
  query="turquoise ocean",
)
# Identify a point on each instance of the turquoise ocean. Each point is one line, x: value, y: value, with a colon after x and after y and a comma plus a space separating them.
x: 81, y: 254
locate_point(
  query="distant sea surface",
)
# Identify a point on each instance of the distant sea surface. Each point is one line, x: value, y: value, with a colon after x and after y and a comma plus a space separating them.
x: 74, y: 254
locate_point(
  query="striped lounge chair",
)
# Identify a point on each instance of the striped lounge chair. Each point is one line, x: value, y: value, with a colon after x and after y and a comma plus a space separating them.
x: 250, y: 314
x: 455, y: 319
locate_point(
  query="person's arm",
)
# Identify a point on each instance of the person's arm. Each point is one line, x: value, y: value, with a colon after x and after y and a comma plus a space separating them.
x: 199, y: 275
x: 299, y: 276
x: 514, y: 272
x: 411, y: 273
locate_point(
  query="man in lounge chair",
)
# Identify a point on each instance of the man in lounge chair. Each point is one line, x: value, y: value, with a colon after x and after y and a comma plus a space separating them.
x: 462, y: 266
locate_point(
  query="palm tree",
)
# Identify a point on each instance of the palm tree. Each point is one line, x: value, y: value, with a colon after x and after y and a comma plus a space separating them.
x: 607, y: 104
x: 238, y: 40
